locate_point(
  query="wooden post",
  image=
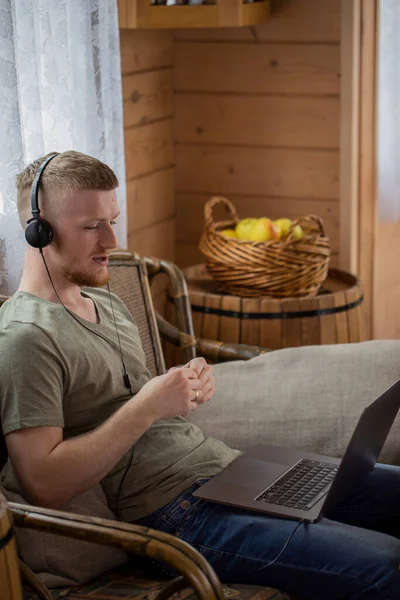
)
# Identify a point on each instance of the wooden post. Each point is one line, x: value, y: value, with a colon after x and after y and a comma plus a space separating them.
x: 349, y: 133
x: 367, y: 186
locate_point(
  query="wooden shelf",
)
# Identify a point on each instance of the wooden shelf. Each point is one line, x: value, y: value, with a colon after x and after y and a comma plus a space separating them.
x: 140, y: 14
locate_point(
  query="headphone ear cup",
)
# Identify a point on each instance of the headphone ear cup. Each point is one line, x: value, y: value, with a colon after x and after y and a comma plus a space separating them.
x: 38, y: 233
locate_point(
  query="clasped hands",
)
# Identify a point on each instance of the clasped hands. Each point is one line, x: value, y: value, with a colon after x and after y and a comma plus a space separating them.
x: 201, y: 380
x: 179, y: 391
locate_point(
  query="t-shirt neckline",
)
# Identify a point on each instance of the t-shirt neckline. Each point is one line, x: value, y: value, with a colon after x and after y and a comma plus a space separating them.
x: 85, y: 294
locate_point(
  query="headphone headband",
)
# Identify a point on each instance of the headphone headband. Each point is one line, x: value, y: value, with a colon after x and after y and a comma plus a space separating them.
x: 35, y: 210
x: 39, y: 232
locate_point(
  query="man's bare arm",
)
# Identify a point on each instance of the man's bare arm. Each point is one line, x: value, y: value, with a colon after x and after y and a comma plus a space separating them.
x: 52, y: 470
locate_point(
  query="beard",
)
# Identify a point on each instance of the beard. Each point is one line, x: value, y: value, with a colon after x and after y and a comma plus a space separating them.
x: 86, y: 279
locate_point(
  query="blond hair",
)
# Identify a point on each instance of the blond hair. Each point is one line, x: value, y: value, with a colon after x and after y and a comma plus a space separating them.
x: 68, y: 171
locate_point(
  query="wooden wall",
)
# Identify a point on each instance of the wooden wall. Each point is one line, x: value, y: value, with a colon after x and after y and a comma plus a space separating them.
x: 257, y: 118
x: 146, y: 64
x: 250, y: 113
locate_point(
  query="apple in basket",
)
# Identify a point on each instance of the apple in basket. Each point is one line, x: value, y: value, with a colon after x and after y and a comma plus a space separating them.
x: 263, y: 230
x: 244, y: 227
x: 284, y: 226
x: 231, y: 233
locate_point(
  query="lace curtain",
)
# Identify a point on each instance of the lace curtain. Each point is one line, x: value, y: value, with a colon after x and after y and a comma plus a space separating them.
x: 60, y: 89
x: 388, y: 126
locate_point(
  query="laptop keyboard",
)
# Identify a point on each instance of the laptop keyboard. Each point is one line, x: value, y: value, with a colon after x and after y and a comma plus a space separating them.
x: 302, y: 486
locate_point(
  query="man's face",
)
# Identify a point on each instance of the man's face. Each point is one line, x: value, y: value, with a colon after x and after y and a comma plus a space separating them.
x: 84, y: 236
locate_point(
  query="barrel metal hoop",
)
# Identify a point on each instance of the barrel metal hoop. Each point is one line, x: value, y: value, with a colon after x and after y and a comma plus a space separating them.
x: 319, y: 312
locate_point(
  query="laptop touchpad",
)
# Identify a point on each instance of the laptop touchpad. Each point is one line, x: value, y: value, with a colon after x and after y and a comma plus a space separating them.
x: 252, y: 473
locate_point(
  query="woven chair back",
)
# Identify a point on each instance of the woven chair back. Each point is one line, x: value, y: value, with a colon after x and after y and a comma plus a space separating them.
x: 129, y: 280
x: 10, y: 583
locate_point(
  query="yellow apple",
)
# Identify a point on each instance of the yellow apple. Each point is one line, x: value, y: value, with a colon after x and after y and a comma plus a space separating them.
x: 231, y: 233
x: 263, y: 230
x: 283, y: 226
x: 298, y: 233
x: 243, y: 228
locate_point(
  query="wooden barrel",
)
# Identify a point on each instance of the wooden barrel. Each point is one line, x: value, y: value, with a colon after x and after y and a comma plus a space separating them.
x: 10, y: 582
x: 334, y: 316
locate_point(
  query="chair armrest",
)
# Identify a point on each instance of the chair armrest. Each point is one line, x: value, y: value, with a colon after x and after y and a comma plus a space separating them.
x: 136, y: 539
x: 212, y: 349
x: 184, y: 336
x: 180, y: 294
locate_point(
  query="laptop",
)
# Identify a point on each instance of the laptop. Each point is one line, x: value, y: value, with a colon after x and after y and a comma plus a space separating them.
x: 301, y: 485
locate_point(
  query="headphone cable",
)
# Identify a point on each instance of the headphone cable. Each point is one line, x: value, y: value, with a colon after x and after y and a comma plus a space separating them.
x: 127, y: 383
x: 125, y: 374
x: 285, y: 545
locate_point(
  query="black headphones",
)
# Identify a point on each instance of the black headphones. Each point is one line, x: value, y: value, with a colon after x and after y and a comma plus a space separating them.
x: 39, y: 232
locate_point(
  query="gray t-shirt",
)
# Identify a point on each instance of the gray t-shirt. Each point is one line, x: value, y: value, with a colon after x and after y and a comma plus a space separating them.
x: 55, y: 371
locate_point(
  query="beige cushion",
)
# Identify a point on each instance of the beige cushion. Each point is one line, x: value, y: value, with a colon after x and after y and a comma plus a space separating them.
x: 307, y: 398
x: 61, y: 561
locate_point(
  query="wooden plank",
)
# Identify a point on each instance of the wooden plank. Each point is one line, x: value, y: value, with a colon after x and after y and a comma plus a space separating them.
x: 349, y: 133
x: 285, y: 121
x: 180, y: 16
x: 252, y: 13
x: 251, y: 328
x: 334, y: 261
x: 122, y: 16
x: 150, y: 199
x: 351, y: 296
x: 342, y: 330
x: 307, y: 21
x: 291, y: 328
x: 302, y: 21
x: 257, y: 171
x: 310, y: 326
x: 143, y: 50
x: 229, y: 13
x: 251, y: 69
x: 386, y: 284
x: 147, y: 97
x: 217, y: 34
x: 362, y: 323
x: 211, y: 323
x: 271, y: 329
x: 190, y: 213
x: 327, y: 322
x: 367, y: 196
x: 187, y: 255
x: 142, y: 14
x: 148, y: 148
x: 230, y: 325
x: 157, y: 240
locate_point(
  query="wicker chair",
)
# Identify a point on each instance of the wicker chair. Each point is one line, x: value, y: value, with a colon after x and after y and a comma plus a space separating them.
x: 130, y: 279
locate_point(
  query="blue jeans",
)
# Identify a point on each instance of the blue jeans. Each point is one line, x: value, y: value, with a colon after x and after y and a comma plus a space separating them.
x: 353, y: 553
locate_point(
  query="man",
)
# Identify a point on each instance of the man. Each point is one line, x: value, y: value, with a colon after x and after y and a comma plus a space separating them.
x: 78, y: 407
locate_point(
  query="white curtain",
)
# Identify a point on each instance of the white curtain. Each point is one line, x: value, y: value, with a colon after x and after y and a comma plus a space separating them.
x: 60, y: 89
x: 388, y: 126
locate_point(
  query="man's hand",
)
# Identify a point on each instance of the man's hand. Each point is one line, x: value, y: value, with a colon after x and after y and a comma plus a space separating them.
x: 175, y: 393
x: 204, y: 372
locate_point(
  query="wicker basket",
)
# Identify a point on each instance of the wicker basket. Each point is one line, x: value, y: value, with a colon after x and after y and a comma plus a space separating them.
x: 274, y: 268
